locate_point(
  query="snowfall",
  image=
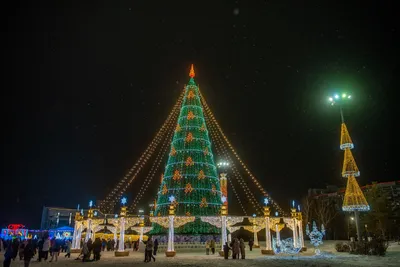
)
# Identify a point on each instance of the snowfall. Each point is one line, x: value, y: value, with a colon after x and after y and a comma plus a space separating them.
x: 190, y: 258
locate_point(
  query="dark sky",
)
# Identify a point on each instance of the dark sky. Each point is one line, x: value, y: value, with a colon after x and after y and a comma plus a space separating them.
x: 87, y: 84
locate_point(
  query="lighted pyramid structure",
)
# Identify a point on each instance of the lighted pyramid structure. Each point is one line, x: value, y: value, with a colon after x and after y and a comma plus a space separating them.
x: 349, y: 165
x: 190, y: 178
x: 345, y: 139
x: 354, y: 199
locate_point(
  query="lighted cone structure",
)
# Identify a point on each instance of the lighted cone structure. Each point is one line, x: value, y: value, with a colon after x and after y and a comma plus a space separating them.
x: 191, y: 173
x: 192, y: 201
x: 354, y: 199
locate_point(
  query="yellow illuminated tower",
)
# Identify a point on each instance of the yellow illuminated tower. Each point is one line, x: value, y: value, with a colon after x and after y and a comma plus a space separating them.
x: 354, y: 199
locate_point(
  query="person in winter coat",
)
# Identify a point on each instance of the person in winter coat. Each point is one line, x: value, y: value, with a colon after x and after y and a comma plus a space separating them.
x: 28, y: 253
x: 8, y: 254
x: 85, y: 252
x: 68, y: 250
x: 96, y: 249
x: 15, y: 247
x: 251, y: 244
x: 208, y: 247
x: 40, y: 247
x: 21, y: 250
x: 46, y: 248
x: 155, y: 247
x: 235, y: 249
x: 242, y: 251
x: 55, y: 249
x: 226, y: 250
x: 149, y: 250
x: 212, y: 246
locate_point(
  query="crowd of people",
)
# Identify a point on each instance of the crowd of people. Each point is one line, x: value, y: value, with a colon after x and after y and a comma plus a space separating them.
x: 27, y: 249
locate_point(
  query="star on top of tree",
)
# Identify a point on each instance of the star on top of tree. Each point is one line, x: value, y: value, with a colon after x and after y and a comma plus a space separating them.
x: 266, y: 201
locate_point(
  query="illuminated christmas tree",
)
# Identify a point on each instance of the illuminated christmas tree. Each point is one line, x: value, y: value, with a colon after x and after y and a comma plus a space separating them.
x: 190, y: 174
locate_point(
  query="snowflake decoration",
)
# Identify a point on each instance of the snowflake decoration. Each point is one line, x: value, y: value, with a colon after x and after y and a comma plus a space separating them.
x: 190, y: 115
x: 189, y: 161
x: 177, y: 175
x: 266, y: 201
x: 173, y: 151
x: 190, y: 94
x: 201, y: 175
x: 203, y: 203
x: 165, y: 189
x: 124, y: 201
x: 188, y: 188
x: 189, y: 137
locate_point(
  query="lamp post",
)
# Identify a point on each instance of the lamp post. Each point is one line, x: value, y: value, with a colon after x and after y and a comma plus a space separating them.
x: 268, y: 246
x: 90, y: 216
x: 121, y: 252
x: 224, y: 236
x: 171, y: 215
x: 338, y: 100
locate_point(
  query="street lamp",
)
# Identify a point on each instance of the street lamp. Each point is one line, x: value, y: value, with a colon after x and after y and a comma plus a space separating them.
x: 338, y: 99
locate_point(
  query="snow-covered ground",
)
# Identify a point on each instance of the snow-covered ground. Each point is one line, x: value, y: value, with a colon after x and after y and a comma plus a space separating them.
x: 329, y: 257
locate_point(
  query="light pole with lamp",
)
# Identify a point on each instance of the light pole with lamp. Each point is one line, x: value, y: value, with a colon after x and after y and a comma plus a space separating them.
x: 354, y: 199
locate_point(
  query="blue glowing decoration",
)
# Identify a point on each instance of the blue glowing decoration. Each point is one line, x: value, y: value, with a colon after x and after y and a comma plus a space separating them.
x: 285, y: 246
x: 124, y: 200
x: 293, y: 204
x: 81, y: 211
x: 90, y: 203
x: 95, y: 213
x: 276, y: 213
x: 254, y: 215
x: 315, y: 236
x: 116, y: 216
x: 298, y: 207
x: 171, y: 199
x: 223, y: 199
x: 77, y: 207
x: 266, y: 201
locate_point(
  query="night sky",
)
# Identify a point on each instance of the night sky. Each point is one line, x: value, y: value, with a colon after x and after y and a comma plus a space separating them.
x: 87, y: 85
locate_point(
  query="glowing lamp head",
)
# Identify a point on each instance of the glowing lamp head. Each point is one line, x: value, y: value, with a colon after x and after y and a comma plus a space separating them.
x: 330, y: 99
x: 344, y: 95
x: 349, y: 96
x: 171, y: 199
x: 266, y: 201
x: 124, y: 200
x: 336, y: 96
